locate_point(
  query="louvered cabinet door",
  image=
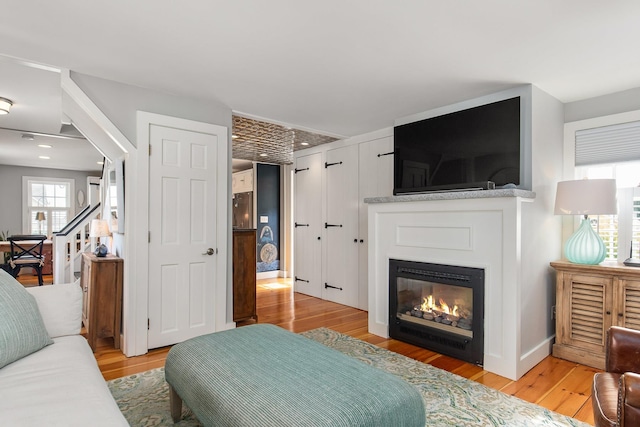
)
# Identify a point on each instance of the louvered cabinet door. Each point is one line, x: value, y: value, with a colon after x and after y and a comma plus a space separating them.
x: 628, y: 303
x: 588, y: 311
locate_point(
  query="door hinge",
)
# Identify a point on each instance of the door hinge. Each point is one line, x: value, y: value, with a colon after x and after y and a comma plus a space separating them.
x: 149, y: 238
x: 149, y: 149
x: 148, y: 324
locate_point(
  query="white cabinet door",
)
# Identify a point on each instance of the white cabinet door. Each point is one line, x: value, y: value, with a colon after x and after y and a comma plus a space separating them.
x: 341, y: 227
x: 242, y: 181
x: 307, y: 229
x: 375, y: 180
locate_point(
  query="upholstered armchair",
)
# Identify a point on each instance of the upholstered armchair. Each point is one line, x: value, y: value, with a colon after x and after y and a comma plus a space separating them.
x: 616, y: 392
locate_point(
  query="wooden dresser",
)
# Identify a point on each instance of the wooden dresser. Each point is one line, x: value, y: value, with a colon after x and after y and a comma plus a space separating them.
x: 244, y: 275
x: 590, y: 299
x: 101, y: 282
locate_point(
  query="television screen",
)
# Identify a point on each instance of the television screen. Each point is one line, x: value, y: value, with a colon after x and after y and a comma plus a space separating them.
x: 463, y: 149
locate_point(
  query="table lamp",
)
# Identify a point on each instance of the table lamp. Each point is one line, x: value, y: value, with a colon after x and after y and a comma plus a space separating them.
x: 586, y: 197
x: 99, y: 228
x: 40, y: 217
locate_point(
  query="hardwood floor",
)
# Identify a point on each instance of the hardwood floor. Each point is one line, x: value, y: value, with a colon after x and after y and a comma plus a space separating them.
x: 556, y: 384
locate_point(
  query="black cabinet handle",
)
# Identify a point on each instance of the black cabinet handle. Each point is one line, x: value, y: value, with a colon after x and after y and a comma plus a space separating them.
x: 295, y: 224
x: 326, y: 225
x: 387, y: 154
x: 326, y: 285
x: 297, y: 279
x: 326, y: 165
x: 300, y: 170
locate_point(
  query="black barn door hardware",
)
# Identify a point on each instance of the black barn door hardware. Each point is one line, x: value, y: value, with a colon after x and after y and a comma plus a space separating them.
x: 326, y: 165
x: 295, y: 224
x: 326, y: 285
x: 300, y: 170
x: 387, y: 154
x: 332, y: 225
x: 300, y: 280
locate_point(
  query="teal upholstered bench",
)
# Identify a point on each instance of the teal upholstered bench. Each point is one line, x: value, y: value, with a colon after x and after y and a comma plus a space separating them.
x: 263, y: 375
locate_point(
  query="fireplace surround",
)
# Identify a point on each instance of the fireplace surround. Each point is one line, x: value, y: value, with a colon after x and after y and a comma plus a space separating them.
x: 502, y: 232
x: 438, y: 307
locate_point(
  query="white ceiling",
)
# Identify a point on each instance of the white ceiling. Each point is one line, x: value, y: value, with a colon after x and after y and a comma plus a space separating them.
x: 337, y: 67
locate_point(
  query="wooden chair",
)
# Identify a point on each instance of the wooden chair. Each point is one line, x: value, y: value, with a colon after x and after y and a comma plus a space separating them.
x: 26, y: 251
x: 616, y: 392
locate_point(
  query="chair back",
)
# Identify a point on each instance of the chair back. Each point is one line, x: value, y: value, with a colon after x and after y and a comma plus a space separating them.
x: 26, y: 247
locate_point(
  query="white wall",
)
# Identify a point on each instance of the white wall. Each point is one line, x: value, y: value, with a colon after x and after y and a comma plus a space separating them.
x: 11, y: 192
x: 613, y: 103
x: 119, y: 102
x: 109, y: 110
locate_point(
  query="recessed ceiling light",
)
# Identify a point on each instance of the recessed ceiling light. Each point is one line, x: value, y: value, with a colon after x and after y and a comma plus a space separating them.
x: 45, y: 146
x: 44, y: 157
x: 100, y: 163
x: 263, y: 155
x: 234, y: 136
x: 304, y: 143
x: 5, y: 105
x: 27, y: 136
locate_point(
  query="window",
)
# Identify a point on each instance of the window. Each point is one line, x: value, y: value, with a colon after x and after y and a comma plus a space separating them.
x: 51, y: 196
x: 618, y: 231
x: 609, y: 147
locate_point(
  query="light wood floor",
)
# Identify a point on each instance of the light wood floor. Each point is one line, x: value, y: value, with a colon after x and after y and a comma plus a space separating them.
x: 557, y: 384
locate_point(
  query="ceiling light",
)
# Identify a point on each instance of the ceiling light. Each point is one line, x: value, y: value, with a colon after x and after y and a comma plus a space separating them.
x: 44, y: 157
x: 263, y: 155
x: 304, y: 143
x: 5, y: 105
x: 27, y: 136
x: 234, y: 136
x: 100, y: 163
x: 45, y: 146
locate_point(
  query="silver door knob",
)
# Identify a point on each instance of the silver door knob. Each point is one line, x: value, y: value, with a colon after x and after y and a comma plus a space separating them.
x: 210, y: 251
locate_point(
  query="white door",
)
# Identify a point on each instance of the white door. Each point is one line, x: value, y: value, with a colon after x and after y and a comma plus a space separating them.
x: 183, y: 239
x: 341, y: 227
x: 308, y: 225
x: 376, y: 180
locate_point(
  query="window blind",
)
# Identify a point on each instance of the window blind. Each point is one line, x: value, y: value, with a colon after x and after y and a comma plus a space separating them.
x: 608, y: 144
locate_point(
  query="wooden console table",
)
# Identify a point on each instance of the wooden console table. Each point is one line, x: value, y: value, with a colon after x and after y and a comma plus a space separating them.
x: 590, y: 299
x: 244, y: 275
x: 101, y: 282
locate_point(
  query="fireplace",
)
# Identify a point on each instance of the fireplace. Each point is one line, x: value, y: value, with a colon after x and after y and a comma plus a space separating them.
x: 438, y: 307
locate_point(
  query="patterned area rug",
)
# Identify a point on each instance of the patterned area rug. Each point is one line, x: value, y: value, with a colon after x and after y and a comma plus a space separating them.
x: 450, y: 400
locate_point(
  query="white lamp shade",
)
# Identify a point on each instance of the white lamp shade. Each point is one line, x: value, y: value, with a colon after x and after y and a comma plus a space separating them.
x: 99, y: 228
x: 5, y: 106
x: 586, y: 197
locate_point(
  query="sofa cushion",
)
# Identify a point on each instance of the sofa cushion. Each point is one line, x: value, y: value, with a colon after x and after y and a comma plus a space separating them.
x: 60, y: 307
x: 22, y: 330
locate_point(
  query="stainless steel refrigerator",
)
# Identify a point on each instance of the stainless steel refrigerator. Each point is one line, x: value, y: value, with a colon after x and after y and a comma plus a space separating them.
x: 243, y: 210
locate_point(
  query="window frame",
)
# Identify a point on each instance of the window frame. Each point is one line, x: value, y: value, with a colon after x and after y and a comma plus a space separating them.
x: 27, y: 208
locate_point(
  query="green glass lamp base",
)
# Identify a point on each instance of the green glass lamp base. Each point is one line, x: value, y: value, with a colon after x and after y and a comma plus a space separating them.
x: 585, y: 246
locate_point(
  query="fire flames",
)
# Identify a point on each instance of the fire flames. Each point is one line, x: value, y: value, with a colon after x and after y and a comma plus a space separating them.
x: 429, y: 306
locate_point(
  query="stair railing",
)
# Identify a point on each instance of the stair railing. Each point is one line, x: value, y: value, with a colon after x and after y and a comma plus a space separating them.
x: 69, y: 244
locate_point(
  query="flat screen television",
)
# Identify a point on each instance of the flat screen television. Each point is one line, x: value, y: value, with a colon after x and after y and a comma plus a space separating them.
x: 477, y: 148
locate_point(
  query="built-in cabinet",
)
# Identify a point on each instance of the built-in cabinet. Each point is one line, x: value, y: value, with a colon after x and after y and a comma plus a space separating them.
x: 101, y: 282
x: 330, y: 217
x: 242, y: 181
x: 589, y: 300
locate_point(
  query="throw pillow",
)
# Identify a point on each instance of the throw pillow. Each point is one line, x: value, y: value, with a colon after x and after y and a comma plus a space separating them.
x: 22, y: 330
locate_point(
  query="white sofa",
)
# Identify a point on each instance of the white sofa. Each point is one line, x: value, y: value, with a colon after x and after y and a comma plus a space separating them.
x: 60, y: 384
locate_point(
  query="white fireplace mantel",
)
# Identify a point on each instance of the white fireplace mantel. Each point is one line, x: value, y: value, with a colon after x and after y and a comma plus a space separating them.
x: 496, y: 230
